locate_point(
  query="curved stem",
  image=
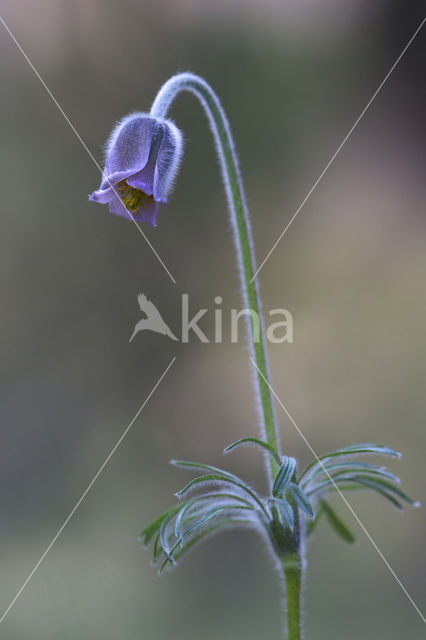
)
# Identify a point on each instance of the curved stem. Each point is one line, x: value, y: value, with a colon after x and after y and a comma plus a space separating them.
x: 241, y: 227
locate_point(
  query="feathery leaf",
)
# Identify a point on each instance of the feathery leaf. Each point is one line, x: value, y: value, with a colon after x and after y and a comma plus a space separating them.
x: 284, y: 475
x: 257, y: 442
x: 339, y: 527
x: 355, y: 449
x: 301, y: 499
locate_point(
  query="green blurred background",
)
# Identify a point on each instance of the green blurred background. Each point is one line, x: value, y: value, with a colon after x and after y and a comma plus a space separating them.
x: 293, y: 77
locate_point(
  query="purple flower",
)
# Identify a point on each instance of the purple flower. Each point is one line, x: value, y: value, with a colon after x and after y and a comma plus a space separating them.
x: 142, y: 159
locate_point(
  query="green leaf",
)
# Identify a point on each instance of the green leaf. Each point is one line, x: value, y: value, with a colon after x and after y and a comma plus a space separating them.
x: 206, y: 467
x: 359, y: 485
x: 226, y: 475
x: 164, y: 537
x: 336, y: 523
x: 169, y: 557
x: 194, y: 539
x: 190, y: 542
x: 382, y: 492
x: 285, y: 510
x: 255, y: 441
x: 364, y: 468
x: 349, y: 473
x: 283, y: 476
x: 312, y: 524
x: 181, y: 515
x: 213, y: 477
x: 352, y: 467
x: 386, y: 488
x: 208, y: 477
x: 355, y: 449
x: 371, y: 447
x: 219, y: 497
x: 208, y: 516
x: 301, y: 499
x: 186, y: 464
x: 153, y: 527
x: 157, y: 549
x: 389, y: 486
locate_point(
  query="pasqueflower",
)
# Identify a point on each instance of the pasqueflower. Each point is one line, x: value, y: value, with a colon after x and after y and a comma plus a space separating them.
x: 142, y: 158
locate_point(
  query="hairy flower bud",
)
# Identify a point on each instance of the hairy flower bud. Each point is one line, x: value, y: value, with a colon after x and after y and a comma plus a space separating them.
x: 142, y: 159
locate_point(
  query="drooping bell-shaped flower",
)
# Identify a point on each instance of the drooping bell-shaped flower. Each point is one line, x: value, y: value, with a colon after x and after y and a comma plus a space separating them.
x: 142, y: 158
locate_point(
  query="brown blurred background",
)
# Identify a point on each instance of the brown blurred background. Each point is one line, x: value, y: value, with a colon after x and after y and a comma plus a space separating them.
x: 293, y: 77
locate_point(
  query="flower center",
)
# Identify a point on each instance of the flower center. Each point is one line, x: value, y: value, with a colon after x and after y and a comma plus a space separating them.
x: 133, y: 199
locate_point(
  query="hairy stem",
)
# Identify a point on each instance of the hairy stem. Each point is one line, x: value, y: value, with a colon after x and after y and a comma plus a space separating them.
x: 293, y: 585
x: 242, y: 231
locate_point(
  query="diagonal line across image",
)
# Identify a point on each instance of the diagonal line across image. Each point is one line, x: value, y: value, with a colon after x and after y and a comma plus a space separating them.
x: 340, y: 493
x: 86, y: 491
x: 90, y: 154
x: 339, y: 148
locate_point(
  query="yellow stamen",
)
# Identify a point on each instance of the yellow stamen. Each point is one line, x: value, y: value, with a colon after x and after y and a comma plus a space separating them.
x: 133, y: 199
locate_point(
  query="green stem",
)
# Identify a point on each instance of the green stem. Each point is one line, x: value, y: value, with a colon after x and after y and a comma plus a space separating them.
x: 293, y: 585
x: 242, y: 232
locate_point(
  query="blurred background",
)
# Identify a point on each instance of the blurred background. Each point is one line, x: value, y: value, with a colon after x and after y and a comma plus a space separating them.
x: 293, y: 77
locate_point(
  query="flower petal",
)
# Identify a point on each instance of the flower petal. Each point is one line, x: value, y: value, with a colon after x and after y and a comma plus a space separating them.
x: 168, y: 160
x: 147, y: 213
x: 102, y: 195
x: 129, y: 145
x: 144, y: 179
x: 112, y: 179
x: 117, y: 207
